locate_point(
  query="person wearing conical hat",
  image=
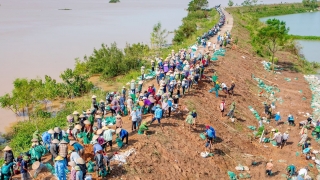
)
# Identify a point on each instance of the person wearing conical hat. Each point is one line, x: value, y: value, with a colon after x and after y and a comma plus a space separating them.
x: 100, y: 165
x: 79, y: 173
x: 158, y: 113
x: 73, y: 155
x: 107, y: 136
x: 76, y: 117
x: 57, y: 133
x: 73, y: 172
x: 133, y: 86
x: 60, y: 167
x: 122, y: 134
x: 189, y: 120
x: 8, y: 157
x: 82, y: 164
x: 94, y: 104
x: 37, y: 167
x: 37, y: 136
x: 119, y: 121
x: 152, y: 65
x: 54, y: 148
x: 63, y: 149
x: 24, y: 168
x: 99, y: 121
x: 140, y: 84
x: 102, y: 107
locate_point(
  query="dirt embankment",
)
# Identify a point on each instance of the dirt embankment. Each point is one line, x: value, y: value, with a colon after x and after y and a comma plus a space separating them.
x: 174, y: 153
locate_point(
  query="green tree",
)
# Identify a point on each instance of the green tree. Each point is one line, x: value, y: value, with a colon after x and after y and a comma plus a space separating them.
x: 246, y: 3
x: 195, y: 5
x: 230, y: 3
x: 310, y: 3
x: 158, y: 37
x: 273, y: 36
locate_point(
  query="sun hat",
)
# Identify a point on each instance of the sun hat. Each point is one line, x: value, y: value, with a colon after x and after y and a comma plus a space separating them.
x: 51, y: 131
x: 69, y: 117
x: 144, y: 98
x: 95, y: 137
x: 287, y: 132
x: 151, y: 95
x: 132, y: 80
x: 177, y: 96
x: 270, y: 160
x: 72, y: 163
x: 75, y: 112
x: 35, y: 165
x: 118, y: 116
x: 77, y: 168
x: 25, y: 158
x: 70, y: 151
x: 78, y: 126
x: 272, y: 130
x: 118, y: 130
x: 80, y: 161
x: 207, y: 126
x: 123, y: 87
x: 59, y: 158
x: 101, y: 101
x: 63, y: 142
x: 158, y: 106
x: 94, y: 96
x: 140, y: 82
x: 88, y: 111
x: 55, y: 141
x: 170, y: 99
x: 86, y: 122
x: 99, y: 131
x: 7, y: 148
x: 72, y: 142
x: 34, y: 140
x: 57, y: 130
x: 98, y: 116
x: 33, y: 144
x: 105, y: 128
x: 82, y: 116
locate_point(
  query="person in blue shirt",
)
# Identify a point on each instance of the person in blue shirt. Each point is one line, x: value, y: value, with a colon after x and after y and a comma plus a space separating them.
x: 210, y: 136
x: 77, y: 147
x: 170, y: 104
x: 96, y: 146
x: 291, y: 120
x: 121, y: 102
x: 122, y: 134
x: 157, y: 115
x: 212, y: 129
x: 60, y: 168
x: 277, y: 118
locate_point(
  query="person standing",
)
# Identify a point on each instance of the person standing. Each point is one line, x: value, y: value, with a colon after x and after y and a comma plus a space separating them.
x: 60, y: 168
x: 63, y: 149
x: 133, y: 115
x: 107, y: 136
x: 232, y: 108
x: 189, y: 120
x: 269, y: 167
x: 277, y: 118
x: 157, y: 115
x: 222, y: 107
x: 285, y: 137
x: 54, y: 148
x: 24, y: 168
x: 119, y: 121
x: 8, y: 156
x: 133, y: 86
x: 77, y: 147
x: 79, y: 173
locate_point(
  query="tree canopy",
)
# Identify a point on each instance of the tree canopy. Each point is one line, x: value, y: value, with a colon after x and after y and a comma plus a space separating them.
x: 273, y: 36
x: 195, y: 5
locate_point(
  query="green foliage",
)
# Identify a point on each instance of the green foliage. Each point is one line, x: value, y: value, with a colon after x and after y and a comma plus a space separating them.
x: 158, y: 37
x: 230, y: 3
x: 310, y: 3
x: 305, y: 37
x: 28, y: 93
x: 114, y: 1
x: 273, y: 35
x: 112, y: 61
x: 196, y: 5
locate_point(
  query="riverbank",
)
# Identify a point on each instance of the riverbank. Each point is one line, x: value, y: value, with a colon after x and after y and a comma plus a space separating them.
x: 175, y: 151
